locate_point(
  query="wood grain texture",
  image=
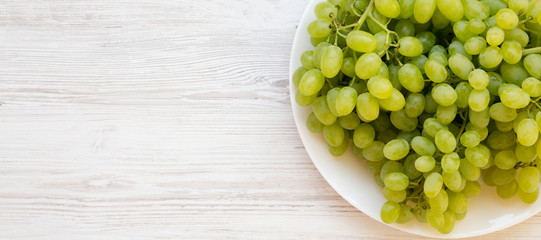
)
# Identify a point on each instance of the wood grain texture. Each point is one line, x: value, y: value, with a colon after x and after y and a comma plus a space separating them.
x: 148, y: 119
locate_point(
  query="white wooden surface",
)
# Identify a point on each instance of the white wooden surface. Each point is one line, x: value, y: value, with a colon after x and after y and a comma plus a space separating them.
x: 142, y: 119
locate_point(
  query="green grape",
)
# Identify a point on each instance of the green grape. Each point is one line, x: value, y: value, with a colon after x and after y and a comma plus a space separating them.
x: 388, y: 8
x: 378, y: 180
x: 431, y: 106
x: 374, y: 166
x: 307, y: 59
x: 438, y: 57
x: 462, y: 32
x: 311, y: 82
x: 450, y: 162
x: 440, y: 202
x: 322, y: 111
x: 483, y: 132
x: 316, y: 41
x: 469, y: 171
x: 363, y: 135
x: 341, y: 149
x: 495, y: 36
x: 532, y: 87
x: 405, y: 214
x: 331, y: 61
x: 297, y: 75
x: 374, y: 151
x: 313, y: 124
x: 532, y: 63
x: 444, y: 94
x: 423, y: 146
x: 390, y: 167
x: 470, y: 139
x: 490, y: 57
x: 404, y: 28
x: 458, y: 203
x: 457, y: 47
x: 438, y: 48
x: 406, y: 8
x: 502, y: 113
x: 463, y: 91
x: 435, y: 71
x: 514, y: 97
x: 334, y: 134
x: 408, y: 136
x: 400, y: 120
x: 448, y: 223
x: 479, y: 99
x: 461, y: 65
x: 490, y: 22
x: 386, y: 136
x: 370, y: 109
x: 506, y: 19
x: 331, y: 100
x: 527, y: 132
x: 494, y: 82
x: 517, y: 5
x: 425, y: 163
x: 475, y: 45
x: 393, y: 103
x: 394, y: 196
x: 319, y: 28
x: 383, y: 71
x: 445, y: 141
x: 409, y: 167
x: 302, y: 100
x: 495, y: 5
x: 380, y: 87
x: 505, y: 159
x: 428, y: 39
x: 419, y: 62
x: 446, y: 114
x: 508, y: 190
x: 361, y: 41
x: 528, y: 198
x: 371, y: 23
x: 439, y: 20
x: 519, y: 35
x: 453, y: 181
x: 520, y: 116
x: 393, y: 76
x: 410, y: 46
x: 390, y: 211
x: 325, y: 10
x: 434, y: 218
x: 396, y: 149
x: 480, y: 119
x: 381, y: 38
x: 432, y: 126
x: 397, y: 181
x: 478, y: 79
x: 433, y: 184
x: 451, y: 9
x: 475, y: 10
x: 415, y: 105
x: 526, y: 154
x: 499, y: 140
x: 502, y: 176
x: 348, y: 67
x: 349, y: 122
x: 472, y: 189
x: 476, y: 26
x: 423, y: 10
x: 318, y: 52
x: 382, y: 122
x: 368, y: 65
x: 421, y: 27
x: 511, y: 51
x: 513, y: 73
x: 346, y: 101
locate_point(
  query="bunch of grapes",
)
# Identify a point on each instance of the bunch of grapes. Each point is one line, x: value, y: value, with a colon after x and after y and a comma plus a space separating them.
x: 433, y: 94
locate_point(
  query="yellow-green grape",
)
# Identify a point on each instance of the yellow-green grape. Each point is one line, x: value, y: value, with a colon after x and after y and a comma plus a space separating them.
x: 479, y: 119
x: 463, y: 91
x: 439, y: 21
x: 495, y: 140
x: 532, y: 86
x: 475, y: 45
x: 411, y: 78
x: 319, y: 28
x: 440, y: 202
x: 474, y: 9
x: 519, y: 35
x: 307, y: 59
x: 380, y: 87
x: 468, y: 170
x: 453, y: 181
x: 461, y: 65
x: 527, y: 132
x: 313, y: 124
x: 506, y: 18
x: 518, y: 5
x: 325, y: 10
x: 513, y: 97
x: 350, y: 121
x: 334, y: 134
x: 478, y: 79
x: 348, y: 67
x: 435, y: 219
x: 450, y: 162
x: 508, y: 190
x: 374, y: 152
x: 322, y: 111
x: 363, y: 135
x: 397, y: 149
x: 406, y: 8
x: 425, y: 163
x: 445, y: 141
x: 370, y: 107
x: 393, y: 103
x: 462, y: 32
x: 478, y: 156
x: 433, y: 184
x: 390, y: 211
x: 406, y: 214
x: 476, y: 26
x: 388, y: 8
x: 532, y: 63
x: 371, y: 23
x: 410, y: 46
x: 511, y: 52
x: 346, y: 100
x: 435, y: 71
x: 297, y: 75
x: 502, y: 113
x: 451, y: 9
x: 318, y: 52
x: 495, y: 36
x: 415, y: 105
x: 381, y: 38
x: 400, y: 120
x: 446, y: 114
x: 302, y: 100
x: 528, y: 198
x: 311, y: 82
x: 331, y: 61
x: 361, y: 41
x: 444, y: 94
x: 472, y: 189
x: 505, y: 159
x: 528, y: 179
x: 449, y: 220
x: 423, y: 10
x: 368, y: 65
x: 490, y: 57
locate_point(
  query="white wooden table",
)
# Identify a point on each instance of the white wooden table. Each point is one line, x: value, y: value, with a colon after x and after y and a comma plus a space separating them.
x: 141, y: 119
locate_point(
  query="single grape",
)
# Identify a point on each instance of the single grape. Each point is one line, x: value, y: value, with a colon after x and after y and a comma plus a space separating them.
x: 320, y: 28
x: 325, y: 10
x: 462, y: 32
x: 449, y: 222
x: 480, y: 119
x: 470, y: 139
x: 410, y: 46
x: 490, y: 57
x: 394, y: 196
x: 435, y: 71
x: 403, y: 122
x: 440, y: 202
x: 374, y: 152
x: 311, y: 82
x: 519, y: 35
x: 302, y: 100
x: 502, y: 113
x: 461, y: 65
x: 405, y: 214
x: 476, y: 26
x: 446, y: 114
x: 532, y: 63
x: 451, y: 9
x: 368, y: 65
x: 506, y: 18
x: 396, y: 149
x: 393, y: 103
x: 423, y: 10
x: 334, y: 134
x: 433, y: 184
x: 479, y: 99
x: 472, y: 189
x: 453, y: 181
x: 514, y: 97
x: 406, y: 8
x: 478, y: 79
x: 361, y: 41
x: 388, y: 8
x: 450, y: 162
x: 502, y: 176
x: 511, y: 52
x: 434, y: 218
x: 390, y: 211
x: 475, y: 45
x: 532, y: 86
x: 469, y: 171
x: 380, y: 87
x: 425, y: 163
x: 508, y: 190
x: 463, y: 91
x: 528, y: 198
x: 505, y: 159
x: 527, y: 132
x: 404, y: 28
x: 415, y: 104
x: 363, y: 135
x: 475, y: 10
x: 331, y: 61
x: 322, y: 111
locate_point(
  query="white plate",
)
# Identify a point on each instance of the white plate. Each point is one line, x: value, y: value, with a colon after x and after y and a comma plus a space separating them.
x: 352, y: 180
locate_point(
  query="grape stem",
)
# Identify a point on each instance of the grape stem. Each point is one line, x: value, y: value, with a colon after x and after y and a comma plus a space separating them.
x: 461, y: 127
x: 364, y: 16
x: 537, y: 105
x: 531, y: 51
